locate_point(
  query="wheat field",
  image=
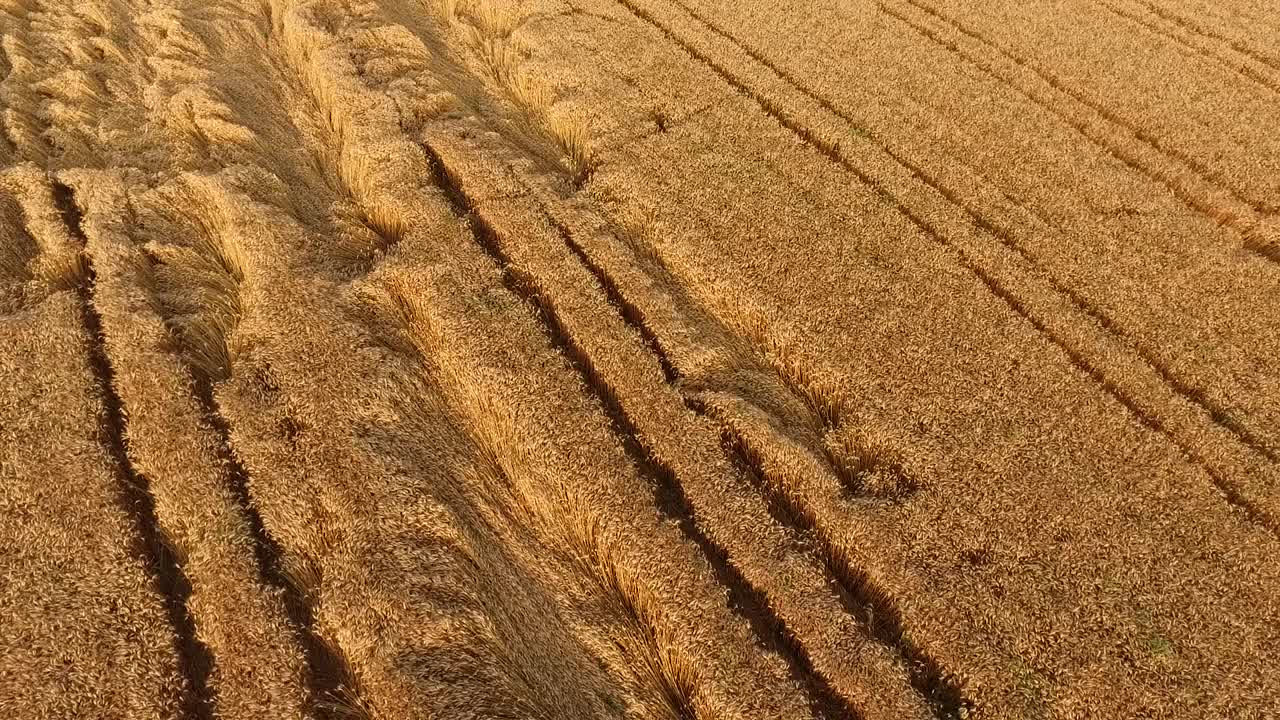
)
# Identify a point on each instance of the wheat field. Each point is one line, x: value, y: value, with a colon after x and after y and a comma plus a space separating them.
x: 643, y: 359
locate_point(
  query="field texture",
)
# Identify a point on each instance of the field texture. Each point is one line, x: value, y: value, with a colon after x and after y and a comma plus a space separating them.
x: 645, y: 359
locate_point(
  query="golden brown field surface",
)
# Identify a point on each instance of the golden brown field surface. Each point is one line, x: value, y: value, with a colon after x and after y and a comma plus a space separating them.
x: 644, y: 359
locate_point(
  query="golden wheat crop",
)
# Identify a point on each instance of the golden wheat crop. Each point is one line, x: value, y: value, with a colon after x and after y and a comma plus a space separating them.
x: 644, y: 359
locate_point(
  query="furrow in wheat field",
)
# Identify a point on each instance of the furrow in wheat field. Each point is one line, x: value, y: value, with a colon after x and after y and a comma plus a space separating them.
x: 723, y: 370
x: 714, y: 498
x: 1196, y: 42
x: 436, y: 281
x: 1247, y: 30
x: 652, y: 359
x: 874, y: 347
x: 1240, y: 473
x: 244, y: 611
x: 95, y: 626
x: 543, y: 260
x: 1205, y: 135
x: 999, y: 215
x: 378, y: 501
x: 1185, y: 406
x: 202, y: 311
x: 201, y: 79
